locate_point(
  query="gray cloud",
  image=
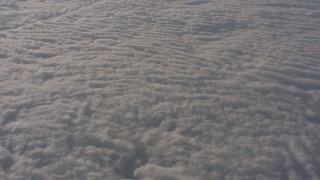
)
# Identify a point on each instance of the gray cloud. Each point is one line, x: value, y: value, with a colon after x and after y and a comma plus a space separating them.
x: 159, y: 89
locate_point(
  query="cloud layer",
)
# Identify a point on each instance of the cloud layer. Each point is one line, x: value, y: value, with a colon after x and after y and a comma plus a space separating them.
x: 197, y: 89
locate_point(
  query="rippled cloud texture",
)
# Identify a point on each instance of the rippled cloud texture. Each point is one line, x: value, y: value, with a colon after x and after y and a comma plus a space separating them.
x: 170, y: 89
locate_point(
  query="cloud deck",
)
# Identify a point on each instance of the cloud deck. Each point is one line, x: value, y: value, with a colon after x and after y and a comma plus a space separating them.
x: 159, y: 89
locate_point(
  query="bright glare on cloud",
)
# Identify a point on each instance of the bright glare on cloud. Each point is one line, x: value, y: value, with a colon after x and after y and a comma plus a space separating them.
x: 159, y: 90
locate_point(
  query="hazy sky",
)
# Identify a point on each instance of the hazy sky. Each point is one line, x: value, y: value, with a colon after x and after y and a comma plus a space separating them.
x: 159, y: 90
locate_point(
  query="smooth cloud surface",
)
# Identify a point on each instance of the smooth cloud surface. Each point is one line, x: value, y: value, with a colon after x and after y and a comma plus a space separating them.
x: 197, y: 89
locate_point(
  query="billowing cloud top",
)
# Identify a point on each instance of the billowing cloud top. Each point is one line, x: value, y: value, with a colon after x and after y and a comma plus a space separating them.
x: 171, y: 89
